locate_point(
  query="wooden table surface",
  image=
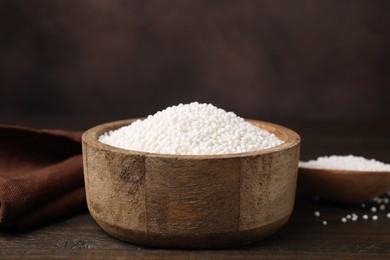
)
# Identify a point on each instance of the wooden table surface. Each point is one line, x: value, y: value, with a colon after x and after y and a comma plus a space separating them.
x: 304, y: 235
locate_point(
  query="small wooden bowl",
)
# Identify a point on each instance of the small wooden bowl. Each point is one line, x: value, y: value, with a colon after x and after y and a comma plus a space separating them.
x: 190, y: 201
x: 344, y: 186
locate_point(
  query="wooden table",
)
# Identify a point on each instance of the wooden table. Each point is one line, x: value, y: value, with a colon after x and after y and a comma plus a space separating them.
x: 303, y: 236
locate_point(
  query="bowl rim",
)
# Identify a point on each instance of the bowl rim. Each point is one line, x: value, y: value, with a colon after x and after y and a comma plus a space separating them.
x: 290, y: 138
x: 328, y: 171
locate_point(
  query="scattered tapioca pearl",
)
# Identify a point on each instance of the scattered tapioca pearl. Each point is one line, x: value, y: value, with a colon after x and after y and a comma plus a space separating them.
x: 324, y: 223
x: 375, y: 208
x: 317, y: 213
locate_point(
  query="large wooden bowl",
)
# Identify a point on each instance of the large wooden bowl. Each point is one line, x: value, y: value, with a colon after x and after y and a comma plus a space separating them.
x: 190, y: 201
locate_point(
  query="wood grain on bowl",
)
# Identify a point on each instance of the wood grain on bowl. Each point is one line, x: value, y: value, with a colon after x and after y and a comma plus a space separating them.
x: 189, y: 201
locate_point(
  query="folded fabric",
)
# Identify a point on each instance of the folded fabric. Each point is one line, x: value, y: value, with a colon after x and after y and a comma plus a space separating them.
x: 41, y: 176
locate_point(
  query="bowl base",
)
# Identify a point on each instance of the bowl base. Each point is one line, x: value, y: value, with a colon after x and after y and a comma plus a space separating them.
x: 193, y: 241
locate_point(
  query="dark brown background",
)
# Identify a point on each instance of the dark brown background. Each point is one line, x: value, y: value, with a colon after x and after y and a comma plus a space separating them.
x: 271, y: 60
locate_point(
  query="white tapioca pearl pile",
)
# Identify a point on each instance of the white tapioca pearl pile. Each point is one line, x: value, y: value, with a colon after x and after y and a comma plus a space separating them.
x: 345, y: 162
x: 191, y: 129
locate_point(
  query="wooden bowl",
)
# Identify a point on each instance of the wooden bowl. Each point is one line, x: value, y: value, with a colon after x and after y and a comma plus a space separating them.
x: 190, y: 201
x: 344, y: 186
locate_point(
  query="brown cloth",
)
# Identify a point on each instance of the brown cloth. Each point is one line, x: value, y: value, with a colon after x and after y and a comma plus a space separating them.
x: 41, y: 176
